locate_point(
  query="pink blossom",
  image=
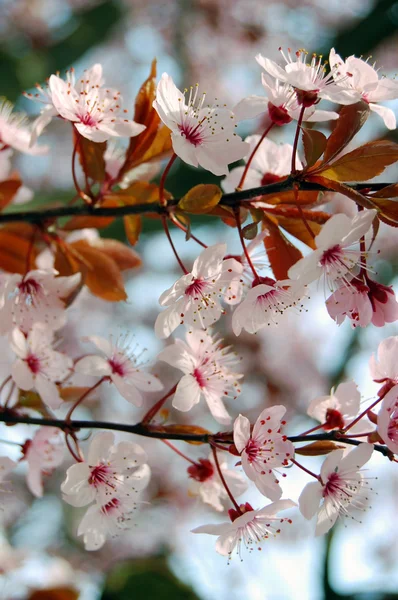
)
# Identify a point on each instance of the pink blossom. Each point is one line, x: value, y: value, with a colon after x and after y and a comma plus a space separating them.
x: 361, y: 79
x: 336, y: 410
x: 14, y: 131
x: 43, y: 453
x: 38, y: 365
x: 96, y: 111
x: 250, y: 527
x: 264, y: 449
x: 110, y: 470
x: 363, y: 303
x: 266, y: 303
x: 341, y: 486
x: 333, y: 259
x: 387, y: 420
x: 208, y: 373
x: 194, y: 298
x: 208, y: 485
x: 201, y: 134
x: 36, y: 297
x: 120, y: 365
x: 384, y: 368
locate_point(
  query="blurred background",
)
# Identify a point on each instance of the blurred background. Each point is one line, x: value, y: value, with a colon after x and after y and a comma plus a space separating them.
x: 212, y: 42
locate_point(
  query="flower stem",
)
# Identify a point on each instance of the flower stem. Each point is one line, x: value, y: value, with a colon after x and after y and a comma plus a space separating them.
x: 312, y: 429
x: 79, y: 190
x: 249, y: 161
x: 302, y: 215
x: 167, y: 232
x: 359, y: 417
x: 185, y: 229
x: 242, y: 241
x: 162, y: 200
x: 234, y: 502
x: 177, y: 451
x: 305, y: 469
x: 82, y: 397
x: 75, y: 455
x: 296, y: 139
x: 155, y: 409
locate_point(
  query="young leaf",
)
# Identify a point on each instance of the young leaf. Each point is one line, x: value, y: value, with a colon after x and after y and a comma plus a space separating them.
x: 363, y: 163
x: 91, y: 157
x: 8, y: 189
x: 250, y: 231
x: 318, y: 448
x: 314, y: 143
x: 281, y: 253
x: 201, y: 199
x: 14, y: 251
x: 351, y: 119
x: 132, y: 227
x: 125, y: 257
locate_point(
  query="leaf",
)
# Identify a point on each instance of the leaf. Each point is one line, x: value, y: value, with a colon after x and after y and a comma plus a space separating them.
x: 102, y: 275
x: 182, y: 430
x: 296, y: 227
x: 249, y: 232
x: 91, y: 221
x: 387, y: 211
x: 363, y: 163
x: 73, y: 393
x: 91, y: 156
x: 29, y: 399
x: 314, y: 145
x: 281, y: 253
x: 133, y: 228
x: 336, y: 186
x: 318, y: 448
x: 201, y: 199
x: 61, y: 593
x: 22, y: 230
x: 14, y: 250
x: 8, y: 189
x: 389, y: 191
x: 304, y: 198
x: 124, y: 257
x: 351, y: 119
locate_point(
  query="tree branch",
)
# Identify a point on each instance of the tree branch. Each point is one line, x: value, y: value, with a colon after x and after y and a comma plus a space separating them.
x: 230, y: 200
x: 10, y: 417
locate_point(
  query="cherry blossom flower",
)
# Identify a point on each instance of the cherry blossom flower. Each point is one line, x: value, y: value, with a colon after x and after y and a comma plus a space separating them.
x: 114, y: 159
x: 333, y: 258
x: 35, y: 297
x: 336, y: 410
x: 15, y: 133
x: 265, y: 304
x: 384, y: 368
x: 194, y: 298
x: 201, y: 134
x: 111, y: 470
x: 243, y: 280
x: 280, y: 104
x: 363, y: 302
x: 310, y: 80
x: 93, y: 109
x: 387, y: 420
x: 43, y: 453
x: 105, y: 520
x: 250, y: 527
x: 121, y: 366
x: 341, y: 486
x: 6, y: 466
x: 208, y: 485
x: 23, y: 193
x: 38, y: 365
x: 270, y: 163
x: 361, y: 79
x: 207, y: 368
x: 263, y: 449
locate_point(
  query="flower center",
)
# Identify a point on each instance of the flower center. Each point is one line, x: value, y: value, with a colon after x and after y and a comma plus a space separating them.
x: 201, y: 471
x: 33, y: 363
x: 269, y: 178
x: 200, y: 377
x: 192, y: 133
x: 251, y: 450
x: 99, y: 475
x: 29, y: 287
x: 87, y: 119
x: 334, y: 419
x: 278, y: 114
x: 196, y: 288
x: 111, y: 506
x: 117, y: 367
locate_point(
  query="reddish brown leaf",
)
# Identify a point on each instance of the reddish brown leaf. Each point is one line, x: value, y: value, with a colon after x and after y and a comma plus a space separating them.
x: 296, y: 227
x: 133, y: 228
x: 351, y: 119
x: 336, y: 186
x: 91, y: 156
x: 8, y: 189
x: 363, y: 163
x: 22, y: 230
x: 72, y: 393
x: 124, y: 257
x: 314, y: 143
x: 387, y: 211
x: 183, y: 430
x: 200, y: 199
x: 61, y: 593
x: 90, y: 221
x: 307, y: 198
x: 390, y: 191
x: 281, y: 253
x: 318, y: 448
x: 14, y: 251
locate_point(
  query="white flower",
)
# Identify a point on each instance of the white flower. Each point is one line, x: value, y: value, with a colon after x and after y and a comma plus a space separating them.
x: 38, y: 365
x: 43, y: 453
x: 265, y: 304
x: 310, y: 80
x: 201, y: 135
x: 114, y: 159
x: 249, y: 527
x: 334, y: 411
x: 6, y: 466
x: 360, y: 78
x: 194, y: 298
x: 121, y: 366
x: 208, y: 485
x: 270, y: 163
x: 96, y: 111
x: 110, y: 470
x: 105, y: 520
x: 280, y: 103
x: 15, y: 133
x: 207, y: 368
x: 387, y: 420
x: 341, y: 486
x: 264, y: 449
x: 384, y: 369
x: 333, y: 259
x: 35, y: 298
